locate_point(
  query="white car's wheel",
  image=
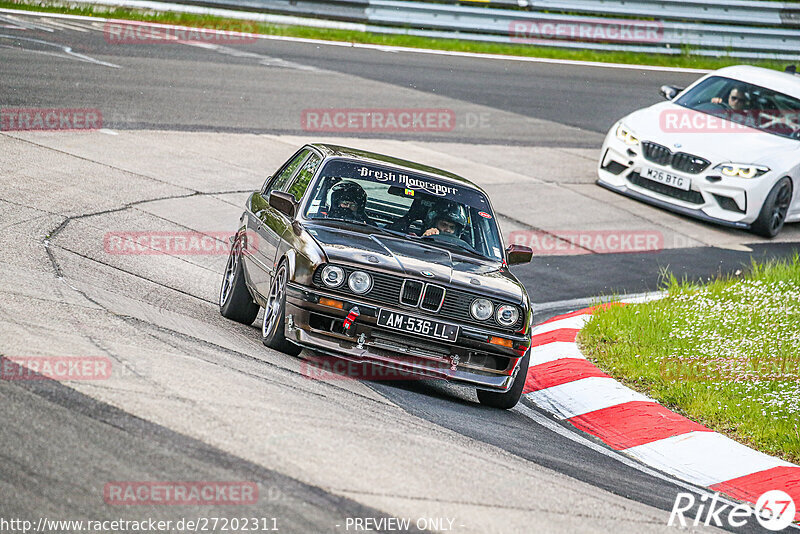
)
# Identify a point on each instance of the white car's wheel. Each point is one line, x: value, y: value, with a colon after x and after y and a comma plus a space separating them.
x: 773, y: 212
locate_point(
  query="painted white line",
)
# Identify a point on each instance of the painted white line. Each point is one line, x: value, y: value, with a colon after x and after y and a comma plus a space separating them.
x: 555, y: 351
x: 704, y: 458
x: 245, y: 15
x: 579, y: 321
x: 64, y: 25
x: 583, y: 396
x: 70, y: 54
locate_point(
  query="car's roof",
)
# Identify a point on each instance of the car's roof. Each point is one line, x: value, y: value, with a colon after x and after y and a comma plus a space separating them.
x: 783, y: 82
x: 372, y: 157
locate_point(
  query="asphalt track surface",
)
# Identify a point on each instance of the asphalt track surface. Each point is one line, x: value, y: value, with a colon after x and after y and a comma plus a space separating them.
x: 65, y: 444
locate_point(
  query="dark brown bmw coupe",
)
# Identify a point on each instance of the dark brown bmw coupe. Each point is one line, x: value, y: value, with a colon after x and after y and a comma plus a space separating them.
x: 374, y: 259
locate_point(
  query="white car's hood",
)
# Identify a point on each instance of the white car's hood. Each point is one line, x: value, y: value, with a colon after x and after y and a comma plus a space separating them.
x: 720, y: 144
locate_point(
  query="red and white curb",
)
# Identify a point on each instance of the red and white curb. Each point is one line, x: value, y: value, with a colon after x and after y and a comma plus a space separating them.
x: 563, y: 382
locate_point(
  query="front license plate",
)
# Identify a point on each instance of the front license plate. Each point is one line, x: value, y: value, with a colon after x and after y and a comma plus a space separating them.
x: 417, y: 326
x: 681, y: 182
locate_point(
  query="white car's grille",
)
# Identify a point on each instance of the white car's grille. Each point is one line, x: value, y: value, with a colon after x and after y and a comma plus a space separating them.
x: 680, y: 161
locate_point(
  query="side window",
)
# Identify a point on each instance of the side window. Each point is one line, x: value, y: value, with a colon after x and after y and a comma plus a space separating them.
x: 283, y: 177
x: 300, y: 184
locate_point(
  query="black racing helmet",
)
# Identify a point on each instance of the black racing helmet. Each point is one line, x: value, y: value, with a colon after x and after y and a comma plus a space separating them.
x: 347, y: 191
x: 448, y: 211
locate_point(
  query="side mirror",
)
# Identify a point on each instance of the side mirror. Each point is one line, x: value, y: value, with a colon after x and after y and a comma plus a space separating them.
x: 670, y: 91
x: 284, y: 203
x: 519, y: 254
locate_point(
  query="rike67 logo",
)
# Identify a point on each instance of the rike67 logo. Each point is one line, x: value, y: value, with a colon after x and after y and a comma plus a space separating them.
x: 774, y: 510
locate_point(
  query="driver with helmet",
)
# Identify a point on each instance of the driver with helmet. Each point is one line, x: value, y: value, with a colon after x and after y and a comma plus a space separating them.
x: 348, y: 200
x: 446, y: 219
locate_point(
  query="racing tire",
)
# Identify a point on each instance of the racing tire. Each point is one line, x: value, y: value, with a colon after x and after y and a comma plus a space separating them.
x: 235, y: 301
x: 510, y: 398
x: 773, y: 213
x: 272, y: 328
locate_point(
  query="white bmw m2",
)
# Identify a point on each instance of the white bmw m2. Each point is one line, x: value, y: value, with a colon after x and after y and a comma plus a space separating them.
x: 726, y: 150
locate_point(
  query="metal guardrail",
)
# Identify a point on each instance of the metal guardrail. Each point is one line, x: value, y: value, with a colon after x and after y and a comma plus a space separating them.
x: 748, y: 12
x: 765, y: 30
x: 542, y: 29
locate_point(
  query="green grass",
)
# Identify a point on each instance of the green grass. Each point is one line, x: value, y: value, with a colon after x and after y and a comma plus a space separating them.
x: 684, y: 59
x: 725, y: 354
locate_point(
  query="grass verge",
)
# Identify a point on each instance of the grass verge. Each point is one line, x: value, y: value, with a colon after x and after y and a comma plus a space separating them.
x: 685, y: 59
x: 725, y: 354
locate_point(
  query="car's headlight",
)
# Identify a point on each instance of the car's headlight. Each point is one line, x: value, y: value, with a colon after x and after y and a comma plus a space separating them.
x: 359, y: 282
x: 332, y: 276
x: 742, y: 170
x: 626, y: 136
x: 481, y: 309
x: 507, y: 315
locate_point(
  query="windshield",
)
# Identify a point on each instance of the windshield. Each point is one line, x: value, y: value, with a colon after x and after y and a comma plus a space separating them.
x: 411, y: 205
x: 747, y: 104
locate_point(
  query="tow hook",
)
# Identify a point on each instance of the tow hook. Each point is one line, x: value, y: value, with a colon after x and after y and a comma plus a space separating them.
x: 351, y: 318
x: 360, y: 342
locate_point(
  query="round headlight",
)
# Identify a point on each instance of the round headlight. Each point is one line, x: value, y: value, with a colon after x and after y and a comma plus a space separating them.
x: 332, y: 276
x: 359, y: 282
x: 481, y: 309
x: 507, y: 315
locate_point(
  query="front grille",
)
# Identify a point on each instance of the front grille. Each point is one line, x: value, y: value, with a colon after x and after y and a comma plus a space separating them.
x: 432, y: 298
x: 411, y: 292
x: 681, y: 161
x: 693, y: 197
x: 689, y: 163
x: 455, y: 303
x: 656, y: 153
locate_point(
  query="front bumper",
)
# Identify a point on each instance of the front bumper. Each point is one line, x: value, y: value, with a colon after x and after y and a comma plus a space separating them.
x: 730, y: 201
x: 471, y: 360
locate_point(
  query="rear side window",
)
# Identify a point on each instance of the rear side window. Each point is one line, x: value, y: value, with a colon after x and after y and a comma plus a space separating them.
x: 287, y: 172
x: 298, y: 188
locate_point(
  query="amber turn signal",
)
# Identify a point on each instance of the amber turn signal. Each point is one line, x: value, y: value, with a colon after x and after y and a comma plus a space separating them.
x: 331, y: 302
x: 501, y: 341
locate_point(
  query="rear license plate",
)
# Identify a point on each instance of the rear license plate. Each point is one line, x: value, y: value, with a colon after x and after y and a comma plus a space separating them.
x: 417, y: 326
x: 681, y: 182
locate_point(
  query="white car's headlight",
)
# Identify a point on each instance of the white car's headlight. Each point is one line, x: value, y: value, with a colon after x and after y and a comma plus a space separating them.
x: 481, y: 309
x: 507, y: 315
x: 742, y: 170
x: 359, y: 282
x: 332, y: 276
x: 626, y: 136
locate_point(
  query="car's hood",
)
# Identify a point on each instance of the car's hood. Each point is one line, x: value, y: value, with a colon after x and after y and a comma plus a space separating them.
x: 410, y: 258
x: 665, y: 123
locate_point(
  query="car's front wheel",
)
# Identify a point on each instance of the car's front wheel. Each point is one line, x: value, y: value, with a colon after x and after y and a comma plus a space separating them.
x: 510, y: 398
x: 773, y: 212
x: 235, y: 302
x: 272, y: 329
